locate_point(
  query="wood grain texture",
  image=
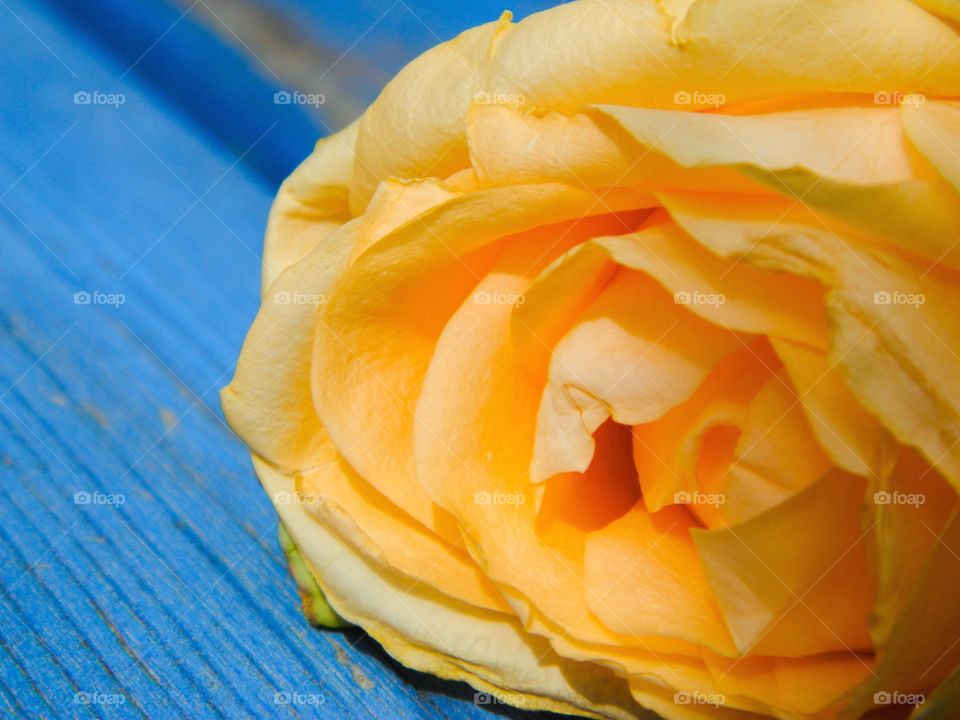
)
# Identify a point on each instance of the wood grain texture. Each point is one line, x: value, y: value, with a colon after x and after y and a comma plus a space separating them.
x: 347, y: 51
x: 175, y: 603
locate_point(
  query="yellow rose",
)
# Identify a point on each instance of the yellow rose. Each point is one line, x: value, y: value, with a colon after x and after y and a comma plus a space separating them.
x: 609, y: 361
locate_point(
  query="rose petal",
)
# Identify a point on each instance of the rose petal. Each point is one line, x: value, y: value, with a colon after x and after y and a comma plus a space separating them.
x: 776, y: 576
x: 310, y: 204
x: 634, y: 354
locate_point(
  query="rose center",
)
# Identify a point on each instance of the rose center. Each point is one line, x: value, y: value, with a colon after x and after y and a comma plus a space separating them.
x: 603, y: 493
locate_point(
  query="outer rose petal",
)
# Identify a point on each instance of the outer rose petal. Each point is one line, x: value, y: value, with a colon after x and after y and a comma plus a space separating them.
x: 268, y: 403
x: 425, y: 632
x: 310, y: 204
x: 334, y: 494
x: 862, y: 161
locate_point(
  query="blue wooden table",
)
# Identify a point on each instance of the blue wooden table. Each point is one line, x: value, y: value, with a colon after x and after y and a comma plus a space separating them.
x: 140, y: 573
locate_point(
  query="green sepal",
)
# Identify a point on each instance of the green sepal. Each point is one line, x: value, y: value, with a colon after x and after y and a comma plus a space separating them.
x: 315, y: 606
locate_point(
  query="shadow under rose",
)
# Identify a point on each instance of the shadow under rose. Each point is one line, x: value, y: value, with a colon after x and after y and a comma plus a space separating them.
x: 430, y: 685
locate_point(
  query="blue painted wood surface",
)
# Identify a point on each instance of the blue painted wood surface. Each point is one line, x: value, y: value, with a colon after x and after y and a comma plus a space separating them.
x: 130, y: 237
x: 387, y: 34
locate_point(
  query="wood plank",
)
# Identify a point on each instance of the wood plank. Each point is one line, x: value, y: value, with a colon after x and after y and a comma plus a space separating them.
x: 347, y: 51
x: 177, y: 599
x: 227, y: 95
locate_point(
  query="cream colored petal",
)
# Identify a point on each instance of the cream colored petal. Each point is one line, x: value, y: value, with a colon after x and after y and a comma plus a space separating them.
x: 415, y: 128
x: 310, y: 204
x: 843, y: 162
x: 268, y: 403
x: 778, y: 48
x: 437, y: 634
x: 380, y: 532
x: 934, y: 127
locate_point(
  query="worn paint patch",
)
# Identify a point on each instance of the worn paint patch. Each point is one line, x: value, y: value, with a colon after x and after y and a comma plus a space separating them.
x: 359, y: 677
x: 168, y: 418
x: 98, y: 416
